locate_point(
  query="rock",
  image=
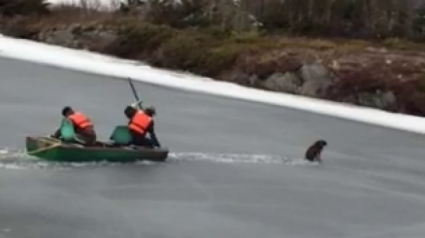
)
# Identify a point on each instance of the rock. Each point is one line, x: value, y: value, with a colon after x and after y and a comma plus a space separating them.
x: 378, y: 99
x: 98, y: 39
x: 288, y: 82
x: 254, y: 81
x: 79, y: 45
x: 77, y: 30
x: 335, y: 65
x: 93, y: 28
x: 239, y: 77
x: 61, y: 37
x: 76, y: 37
x: 316, y: 80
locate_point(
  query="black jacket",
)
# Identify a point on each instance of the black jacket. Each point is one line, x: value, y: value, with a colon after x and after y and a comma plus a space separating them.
x: 151, y: 131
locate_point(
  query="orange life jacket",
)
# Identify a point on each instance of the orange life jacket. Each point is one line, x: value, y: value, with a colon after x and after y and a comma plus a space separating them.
x: 140, y: 122
x: 80, y: 120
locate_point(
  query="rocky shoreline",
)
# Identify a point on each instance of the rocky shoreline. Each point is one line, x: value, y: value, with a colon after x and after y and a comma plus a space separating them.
x: 355, y: 73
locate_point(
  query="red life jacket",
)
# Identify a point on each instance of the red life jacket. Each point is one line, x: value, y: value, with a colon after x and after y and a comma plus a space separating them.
x: 140, y: 122
x: 80, y: 120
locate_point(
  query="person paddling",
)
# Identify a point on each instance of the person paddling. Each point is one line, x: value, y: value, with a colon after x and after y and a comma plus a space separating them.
x: 83, y: 126
x: 141, y: 123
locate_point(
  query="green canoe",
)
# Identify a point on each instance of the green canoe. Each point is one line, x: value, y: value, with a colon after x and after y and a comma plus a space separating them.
x: 55, y: 150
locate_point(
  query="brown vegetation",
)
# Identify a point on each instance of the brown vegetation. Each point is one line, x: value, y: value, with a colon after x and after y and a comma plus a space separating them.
x: 375, y: 56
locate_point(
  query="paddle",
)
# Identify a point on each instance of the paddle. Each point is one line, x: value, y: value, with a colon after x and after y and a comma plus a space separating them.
x: 135, y: 93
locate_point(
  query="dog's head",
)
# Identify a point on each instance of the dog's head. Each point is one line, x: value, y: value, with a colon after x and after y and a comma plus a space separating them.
x: 321, y: 143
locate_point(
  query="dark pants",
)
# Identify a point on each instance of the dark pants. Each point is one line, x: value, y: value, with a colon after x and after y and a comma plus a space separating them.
x: 87, y: 137
x: 140, y: 140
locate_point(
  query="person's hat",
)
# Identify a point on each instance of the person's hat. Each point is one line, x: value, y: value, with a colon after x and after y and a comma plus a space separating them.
x: 150, y: 110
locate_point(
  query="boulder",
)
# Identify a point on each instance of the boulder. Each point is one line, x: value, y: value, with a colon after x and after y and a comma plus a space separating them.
x: 237, y: 76
x: 97, y: 40
x: 379, y: 99
x: 288, y: 82
x: 60, y: 37
x: 316, y: 80
x: 254, y: 81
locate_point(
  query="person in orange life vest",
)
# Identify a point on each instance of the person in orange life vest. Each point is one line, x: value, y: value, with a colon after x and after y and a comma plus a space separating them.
x: 83, y: 126
x: 141, y: 123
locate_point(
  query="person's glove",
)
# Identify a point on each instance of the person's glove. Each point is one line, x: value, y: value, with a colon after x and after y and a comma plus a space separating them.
x: 137, y: 104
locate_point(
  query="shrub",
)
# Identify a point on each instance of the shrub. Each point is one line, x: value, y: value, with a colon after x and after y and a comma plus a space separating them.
x: 19, y: 27
x: 135, y: 38
x: 421, y: 83
x: 179, y: 14
x: 11, y: 8
x: 222, y: 58
x: 186, y: 51
x: 411, y: 100
x: 418, y: 23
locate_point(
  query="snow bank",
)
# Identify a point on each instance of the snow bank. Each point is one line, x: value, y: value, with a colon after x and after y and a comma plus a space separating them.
x: 110, y: 66
x: 96, y: 4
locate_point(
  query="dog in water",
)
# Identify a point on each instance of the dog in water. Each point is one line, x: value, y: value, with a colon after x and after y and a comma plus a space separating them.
x: 314, y: 151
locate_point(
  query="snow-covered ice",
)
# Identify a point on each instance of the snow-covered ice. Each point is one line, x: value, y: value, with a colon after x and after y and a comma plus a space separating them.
x: 110, y: 66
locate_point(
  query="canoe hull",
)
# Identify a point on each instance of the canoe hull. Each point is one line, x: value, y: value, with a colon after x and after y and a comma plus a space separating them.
x: 54, y: 150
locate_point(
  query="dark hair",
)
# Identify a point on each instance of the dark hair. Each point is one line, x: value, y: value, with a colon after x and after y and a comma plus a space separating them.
x: 66, y: 110
x: 150, y: 111
x: 129, y: 111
